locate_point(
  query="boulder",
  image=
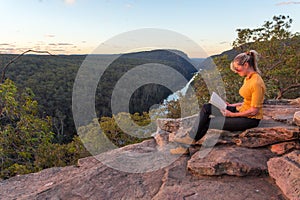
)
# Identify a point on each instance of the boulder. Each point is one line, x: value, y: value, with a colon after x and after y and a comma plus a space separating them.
x: 284, y: 147
x: 296, y: 118
x: 161, y: 138
x: 172, y: 125
x: 281, y: 112
x: 259, y: 137
x: 237, y: 161
x: 295, y: 102
x: 286, y: 172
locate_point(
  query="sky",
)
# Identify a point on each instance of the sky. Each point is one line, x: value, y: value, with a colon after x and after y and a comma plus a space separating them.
x: 80, y: 26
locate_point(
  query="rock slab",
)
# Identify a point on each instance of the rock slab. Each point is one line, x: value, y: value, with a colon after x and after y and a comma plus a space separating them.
x: 286, y: 172
x: 296, y: 118
x: 240, y: 158
x: 237, y: 161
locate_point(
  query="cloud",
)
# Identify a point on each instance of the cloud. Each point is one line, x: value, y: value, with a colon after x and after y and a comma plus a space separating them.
x: 6, y: 49
x: 64, y: 44
x: 69, y: 1
x: 287, y: 3
x: 49, y: 35
x: 4, y: 44
x: 57, y: 50
x: 224, y: 42
x: 60, y: 44
x: 12, y: 50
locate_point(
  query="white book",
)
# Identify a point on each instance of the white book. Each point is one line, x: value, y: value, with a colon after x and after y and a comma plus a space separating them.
x: 217, y: 101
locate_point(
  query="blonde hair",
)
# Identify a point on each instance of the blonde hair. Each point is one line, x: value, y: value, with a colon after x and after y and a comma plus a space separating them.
x: 251, y: 57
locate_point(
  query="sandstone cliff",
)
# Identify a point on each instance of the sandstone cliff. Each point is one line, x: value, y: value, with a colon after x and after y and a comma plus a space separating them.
x: 260, y: 163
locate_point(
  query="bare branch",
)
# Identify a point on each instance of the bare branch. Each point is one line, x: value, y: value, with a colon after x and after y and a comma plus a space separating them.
x: 284, y: 90
x: 275, y: 65
x: 16, y: 58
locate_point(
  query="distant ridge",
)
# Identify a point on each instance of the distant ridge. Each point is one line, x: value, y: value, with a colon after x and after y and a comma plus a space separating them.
x: 208, y: 62
x: 231, y: 53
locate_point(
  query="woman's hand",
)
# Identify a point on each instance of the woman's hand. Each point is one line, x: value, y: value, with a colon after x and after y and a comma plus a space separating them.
x: 250, y: 112
x: 227, y: 113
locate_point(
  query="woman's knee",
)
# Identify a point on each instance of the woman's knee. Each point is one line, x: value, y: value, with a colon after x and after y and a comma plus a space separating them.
x: 206, y: 108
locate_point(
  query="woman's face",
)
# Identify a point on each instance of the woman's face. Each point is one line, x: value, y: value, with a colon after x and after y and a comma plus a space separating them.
x: 240, y: 69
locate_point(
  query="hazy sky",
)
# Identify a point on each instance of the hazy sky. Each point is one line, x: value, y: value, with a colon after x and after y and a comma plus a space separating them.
x: 79, y: 26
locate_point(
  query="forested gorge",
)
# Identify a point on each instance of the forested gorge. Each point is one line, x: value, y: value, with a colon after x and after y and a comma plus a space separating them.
x: 37, y: 128
x: 51, y: 79
x: 37, y: 92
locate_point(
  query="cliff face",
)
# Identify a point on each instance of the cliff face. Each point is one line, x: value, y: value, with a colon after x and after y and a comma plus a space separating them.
x: 259, y: 163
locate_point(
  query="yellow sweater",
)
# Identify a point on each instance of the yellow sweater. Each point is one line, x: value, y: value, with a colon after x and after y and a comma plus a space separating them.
x: 253, y: 91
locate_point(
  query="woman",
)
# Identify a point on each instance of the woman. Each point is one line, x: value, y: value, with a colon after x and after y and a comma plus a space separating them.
x: 238, y: 116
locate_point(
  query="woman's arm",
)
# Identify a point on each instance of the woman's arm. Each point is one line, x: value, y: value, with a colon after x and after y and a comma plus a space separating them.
x: 247, y: 113
x: 234, y: 104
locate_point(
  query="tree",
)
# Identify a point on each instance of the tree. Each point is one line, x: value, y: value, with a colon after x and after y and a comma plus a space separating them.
x: 22, y: 132
x: 279, y: 63
x: 26, y: 140
x: 280, y: 51
x: 120, y: 137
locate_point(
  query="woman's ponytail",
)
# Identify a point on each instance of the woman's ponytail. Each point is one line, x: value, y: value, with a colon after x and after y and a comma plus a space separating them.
x: 251, y: 57
x: 253, y: 61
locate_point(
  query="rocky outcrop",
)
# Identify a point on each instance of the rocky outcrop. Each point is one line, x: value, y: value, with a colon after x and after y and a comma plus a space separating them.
x: 259, y: 137
x: 223, y: 165
x: 248, y: 152
x: 281, y: 111
x: 237, y: 161
x: 296, y: 118
x: 285, y: 147
x: 286, y: 171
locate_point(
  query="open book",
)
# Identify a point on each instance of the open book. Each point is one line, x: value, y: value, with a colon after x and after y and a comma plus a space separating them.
x: 217, y: 101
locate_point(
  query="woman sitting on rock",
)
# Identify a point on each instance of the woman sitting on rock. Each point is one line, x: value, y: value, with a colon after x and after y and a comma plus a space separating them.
x: 238, y: 116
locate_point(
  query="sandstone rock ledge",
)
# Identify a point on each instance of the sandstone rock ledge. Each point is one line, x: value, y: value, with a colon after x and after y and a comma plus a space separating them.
x: 260, y: 163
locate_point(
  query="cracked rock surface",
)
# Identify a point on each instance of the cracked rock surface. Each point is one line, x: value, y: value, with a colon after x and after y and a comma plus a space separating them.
x: 255, y: 164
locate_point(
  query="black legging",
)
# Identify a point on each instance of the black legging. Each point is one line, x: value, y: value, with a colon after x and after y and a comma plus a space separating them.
x: 218, y: 121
